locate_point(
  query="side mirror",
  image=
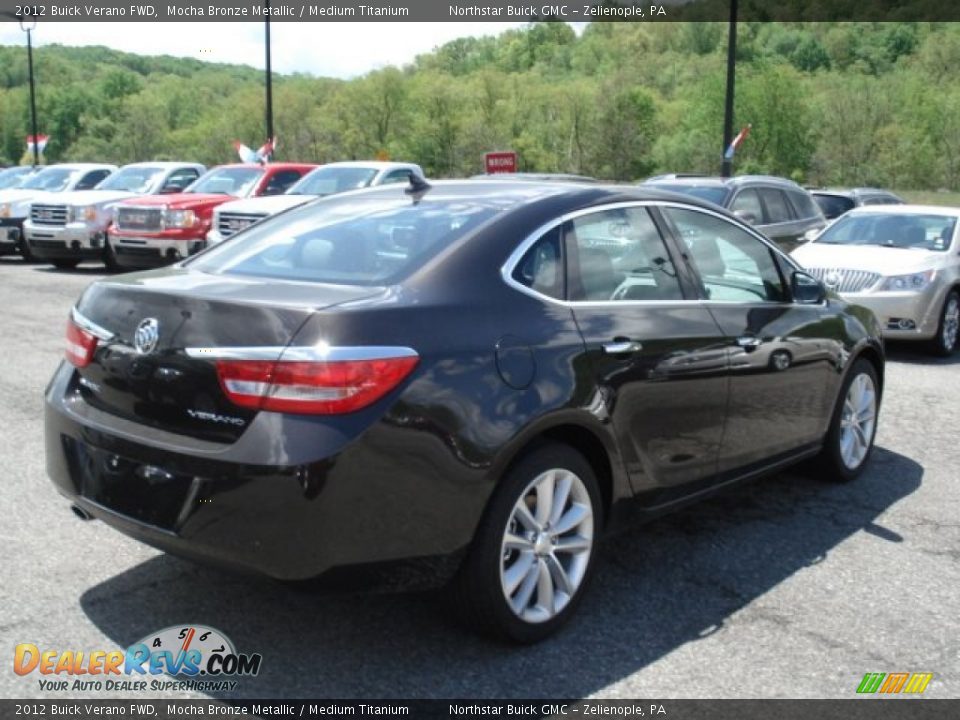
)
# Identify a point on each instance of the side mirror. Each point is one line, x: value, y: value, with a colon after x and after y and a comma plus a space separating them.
x: 806, y: 289
x: 811, y: 234
x: 746, y: 216
x: 170, y: 189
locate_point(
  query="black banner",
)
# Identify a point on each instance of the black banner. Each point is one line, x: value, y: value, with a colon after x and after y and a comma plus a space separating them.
x: 853, y: 709
x: 479, y: 10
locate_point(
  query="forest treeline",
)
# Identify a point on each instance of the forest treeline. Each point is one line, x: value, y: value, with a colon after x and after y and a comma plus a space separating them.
x: 830, y: 103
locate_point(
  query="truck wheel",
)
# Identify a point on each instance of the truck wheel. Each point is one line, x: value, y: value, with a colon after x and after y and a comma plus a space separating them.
x: 110, y: 259
x: 25, y: 250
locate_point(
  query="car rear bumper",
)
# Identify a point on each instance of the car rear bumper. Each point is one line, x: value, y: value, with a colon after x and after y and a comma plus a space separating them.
x: 222, y: 504
x: 904, y: 315
x: 141, y: 252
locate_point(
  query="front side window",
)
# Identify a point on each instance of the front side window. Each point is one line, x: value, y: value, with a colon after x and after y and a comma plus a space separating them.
x: 92, y: 179
x: 619, y: 255
x: 734, y: 266
x: 281, y: 181
x: 360, y: 241
x: 181, y: 178
x: 235, y: 181
x: 833, y: 206
x: 746, y: 205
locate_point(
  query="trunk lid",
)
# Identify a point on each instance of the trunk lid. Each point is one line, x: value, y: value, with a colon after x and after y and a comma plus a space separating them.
x: 167, y: 388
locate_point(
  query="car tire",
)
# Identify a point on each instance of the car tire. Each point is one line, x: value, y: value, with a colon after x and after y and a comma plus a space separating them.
x: 25, y: 250
x: 945, y: 342
x: 533, y: 553
x: 849, y: 441
x: 110, y: 259
x: 65, y: 264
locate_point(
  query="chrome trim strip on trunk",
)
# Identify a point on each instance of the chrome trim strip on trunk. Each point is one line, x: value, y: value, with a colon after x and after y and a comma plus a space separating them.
x: 91, y: 327
x: 314, y: 353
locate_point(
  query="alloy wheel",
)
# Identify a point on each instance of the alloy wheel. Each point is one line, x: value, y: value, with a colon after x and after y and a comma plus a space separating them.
x: 546, y: 546
x: 858, y: 421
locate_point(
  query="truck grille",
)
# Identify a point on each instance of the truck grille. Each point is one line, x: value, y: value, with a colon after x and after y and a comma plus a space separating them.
x: 231, y: 223
x: 844, y: 280
x: 48, y: 214
x: 138, y: 218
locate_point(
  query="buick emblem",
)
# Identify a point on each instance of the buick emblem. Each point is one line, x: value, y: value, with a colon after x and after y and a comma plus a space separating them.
x: 146, y: 336
x: 832, y: 279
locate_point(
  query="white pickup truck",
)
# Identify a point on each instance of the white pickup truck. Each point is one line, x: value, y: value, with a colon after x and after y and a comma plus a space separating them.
x: 232, y: 217
x: 70, y: 227
x: 48, y: 182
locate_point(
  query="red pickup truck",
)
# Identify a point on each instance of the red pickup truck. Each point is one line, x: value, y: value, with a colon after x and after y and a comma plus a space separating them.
x: 161, y: 229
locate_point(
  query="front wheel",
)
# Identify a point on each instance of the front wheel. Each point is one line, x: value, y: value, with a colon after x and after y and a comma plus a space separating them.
x: 533, y: 553
x: 25, y: 250
x: 849, y: 440
x: 945, y: 341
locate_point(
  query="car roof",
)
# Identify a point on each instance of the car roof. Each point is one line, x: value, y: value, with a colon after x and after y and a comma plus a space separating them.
x: 164, y: 164
x: 906, y: 210
x: 514, y: 194
x: 550, y: 177
x: 373, y: 164
x: 717, y: 181
x: 81, y: 166
x: 852, y: 192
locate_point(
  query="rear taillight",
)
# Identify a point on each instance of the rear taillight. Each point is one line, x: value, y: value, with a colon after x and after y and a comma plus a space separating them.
x: 81, y: 344
x: 311, y: 387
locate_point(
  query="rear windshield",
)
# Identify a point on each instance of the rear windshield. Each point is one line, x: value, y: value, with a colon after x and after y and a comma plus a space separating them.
x: 716, y: 195
x: 360, y: 241
x: 330, y: 180
x: 833, y: 206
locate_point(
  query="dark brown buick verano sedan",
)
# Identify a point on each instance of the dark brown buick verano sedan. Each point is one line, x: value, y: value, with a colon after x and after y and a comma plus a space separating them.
x: 484, y: 374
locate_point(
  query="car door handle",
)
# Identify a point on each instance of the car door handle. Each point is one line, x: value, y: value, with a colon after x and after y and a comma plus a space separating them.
x: 750, y: 342
x: 619, y: 347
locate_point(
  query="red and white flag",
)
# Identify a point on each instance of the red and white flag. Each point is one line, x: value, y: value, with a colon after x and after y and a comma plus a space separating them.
x: 41, y: 143
x: 261, y: 155
x: 735, y: 143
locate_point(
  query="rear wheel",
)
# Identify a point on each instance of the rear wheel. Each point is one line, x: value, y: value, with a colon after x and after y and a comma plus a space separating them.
x: 65, y: 264
x: 533, y: 553
x: 849, y: 442
x: 945, y: 341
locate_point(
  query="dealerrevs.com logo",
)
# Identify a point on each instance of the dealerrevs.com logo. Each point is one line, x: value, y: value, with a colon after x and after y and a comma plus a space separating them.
x: 199, y: 657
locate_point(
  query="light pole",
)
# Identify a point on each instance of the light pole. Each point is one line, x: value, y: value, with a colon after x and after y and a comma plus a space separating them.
x: 28, y: 26
x: 269, y: 75
x: 727, y: 165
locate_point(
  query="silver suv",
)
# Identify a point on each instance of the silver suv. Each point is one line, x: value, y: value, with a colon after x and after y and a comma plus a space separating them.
x: 777, y: 207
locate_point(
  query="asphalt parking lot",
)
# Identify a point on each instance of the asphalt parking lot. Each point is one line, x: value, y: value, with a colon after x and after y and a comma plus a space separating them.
x: 788, y: 587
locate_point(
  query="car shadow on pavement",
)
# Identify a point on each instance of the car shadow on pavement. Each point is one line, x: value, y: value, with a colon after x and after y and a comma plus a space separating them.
x: 917, y: 354
x: 79, y: 270
x: 657, y: 587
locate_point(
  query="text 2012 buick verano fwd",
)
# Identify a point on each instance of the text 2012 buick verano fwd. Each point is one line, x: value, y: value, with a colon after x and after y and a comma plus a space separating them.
x: 477, y: 378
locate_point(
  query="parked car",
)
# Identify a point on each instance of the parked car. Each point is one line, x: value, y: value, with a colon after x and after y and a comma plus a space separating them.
x: 779, y: 208
x: 834, y: 202
x: 15, y: 203
x: 475, y: 377
x: 236, y: 215
x: 901, y: 261
x: 72, y: 226
x: 161, y: 229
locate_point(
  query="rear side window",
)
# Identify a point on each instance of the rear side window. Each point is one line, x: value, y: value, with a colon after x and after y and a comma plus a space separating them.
x: 778, y: 209
x: 619, y: 255
x: 803, y: 204
x: 833, y: 206
x: 360, y: 241
x: 541, y: 269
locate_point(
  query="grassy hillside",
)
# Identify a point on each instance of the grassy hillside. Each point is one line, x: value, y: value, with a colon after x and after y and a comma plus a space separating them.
x: 830, y: 103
